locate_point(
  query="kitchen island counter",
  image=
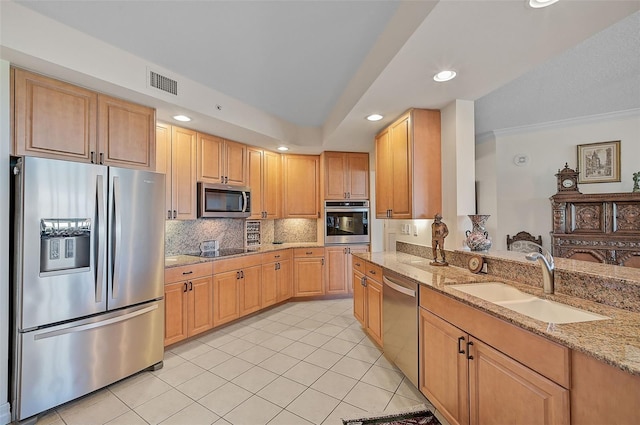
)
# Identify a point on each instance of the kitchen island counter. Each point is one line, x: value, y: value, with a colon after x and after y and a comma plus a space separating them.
x: 615, y: 341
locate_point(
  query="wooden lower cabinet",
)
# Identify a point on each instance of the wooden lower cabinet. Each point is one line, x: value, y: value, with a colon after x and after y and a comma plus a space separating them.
x: 359, y: 301
x: 367, y: 298
x: 226, y: 303
x: 308, y: 272
x: 188, y: 302
x: 250, y: 289
x: 470, y: 382
x: 276, y: 282
x: 339, y: 277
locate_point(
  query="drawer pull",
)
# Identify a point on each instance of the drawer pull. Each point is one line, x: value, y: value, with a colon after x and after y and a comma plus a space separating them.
x: 358, y: 264
x: 372, y: 272
x: 189, y: 272
x: 309, y: 252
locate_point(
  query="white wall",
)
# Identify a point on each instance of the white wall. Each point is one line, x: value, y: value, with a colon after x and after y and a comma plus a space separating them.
x: 4, y: 241
x: 521, y: 198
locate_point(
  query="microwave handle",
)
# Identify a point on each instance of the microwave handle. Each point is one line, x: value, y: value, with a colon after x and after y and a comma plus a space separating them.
x: 244, y: 201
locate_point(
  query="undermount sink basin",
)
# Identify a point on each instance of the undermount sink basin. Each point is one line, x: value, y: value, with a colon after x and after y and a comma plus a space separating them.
x: 527, y: 304
x: 493, y: 291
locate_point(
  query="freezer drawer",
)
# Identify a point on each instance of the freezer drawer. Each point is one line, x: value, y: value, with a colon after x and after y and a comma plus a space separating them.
x: 60, y: 363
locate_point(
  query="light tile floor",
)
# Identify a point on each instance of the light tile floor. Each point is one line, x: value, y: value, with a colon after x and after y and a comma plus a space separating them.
x: 299, y: 363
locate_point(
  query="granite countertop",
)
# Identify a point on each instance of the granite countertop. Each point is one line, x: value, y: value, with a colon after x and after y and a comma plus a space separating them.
x: 185, y: 260
x: 615, y: 341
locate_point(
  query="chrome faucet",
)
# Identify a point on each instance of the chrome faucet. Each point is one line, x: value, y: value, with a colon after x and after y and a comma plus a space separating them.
x: 548, y: 266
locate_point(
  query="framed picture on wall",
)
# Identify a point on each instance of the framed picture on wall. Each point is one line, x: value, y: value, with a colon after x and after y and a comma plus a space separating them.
x: 599, y: 162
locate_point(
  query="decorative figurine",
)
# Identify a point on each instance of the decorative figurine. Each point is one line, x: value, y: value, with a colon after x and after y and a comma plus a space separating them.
x: 439, y: 231
x: 636, y: 179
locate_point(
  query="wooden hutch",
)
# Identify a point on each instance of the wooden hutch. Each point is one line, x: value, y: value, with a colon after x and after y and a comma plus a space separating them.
x: 603, y: 227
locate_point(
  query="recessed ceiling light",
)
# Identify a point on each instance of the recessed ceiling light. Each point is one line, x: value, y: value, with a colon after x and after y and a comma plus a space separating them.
x: 182, y: 118
x: 283, y: 148
x: 375, y: 117
x: 444, y: 76
x: 537, y: 4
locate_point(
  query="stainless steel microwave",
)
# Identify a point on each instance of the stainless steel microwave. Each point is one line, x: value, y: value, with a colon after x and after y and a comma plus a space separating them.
x: 221, y: 200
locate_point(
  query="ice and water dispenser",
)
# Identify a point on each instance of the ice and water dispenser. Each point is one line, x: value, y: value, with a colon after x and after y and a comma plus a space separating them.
x: 65, y: 244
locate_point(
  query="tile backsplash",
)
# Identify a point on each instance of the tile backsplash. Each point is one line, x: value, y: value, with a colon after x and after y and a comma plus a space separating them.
x: 184, y: 237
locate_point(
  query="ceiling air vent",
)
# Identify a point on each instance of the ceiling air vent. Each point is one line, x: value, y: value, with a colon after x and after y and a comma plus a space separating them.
x: 163, y: 83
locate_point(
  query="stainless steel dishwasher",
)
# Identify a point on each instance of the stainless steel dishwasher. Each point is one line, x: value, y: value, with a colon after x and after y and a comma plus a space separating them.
x: 400, y: 324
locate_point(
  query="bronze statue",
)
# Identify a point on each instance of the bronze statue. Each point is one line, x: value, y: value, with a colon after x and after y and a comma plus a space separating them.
x: 636, y: 179
x: 439, y: 231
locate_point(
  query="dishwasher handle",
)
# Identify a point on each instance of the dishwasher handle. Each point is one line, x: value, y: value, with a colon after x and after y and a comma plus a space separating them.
x: 399, y: 288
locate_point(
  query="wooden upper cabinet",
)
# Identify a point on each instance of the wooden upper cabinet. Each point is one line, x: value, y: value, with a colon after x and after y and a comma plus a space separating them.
x: 54, y: 119
x: 264, y: 177
x: 221, y: 161
x: 345, y: 175
x: 176, y: 157
x: 408, y: 167
x: 126, y: 134
x: 301, y: 189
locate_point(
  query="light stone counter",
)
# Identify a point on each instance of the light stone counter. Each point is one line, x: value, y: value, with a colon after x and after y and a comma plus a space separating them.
x: 185, y: 260
x: 615, y: 341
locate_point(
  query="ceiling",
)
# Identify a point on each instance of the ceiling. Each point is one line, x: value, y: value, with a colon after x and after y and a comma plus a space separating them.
x: 321, y: 66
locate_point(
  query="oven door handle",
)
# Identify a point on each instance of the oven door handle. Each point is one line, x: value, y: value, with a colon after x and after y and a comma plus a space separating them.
x: 399, y: 288
x: 346, y: 209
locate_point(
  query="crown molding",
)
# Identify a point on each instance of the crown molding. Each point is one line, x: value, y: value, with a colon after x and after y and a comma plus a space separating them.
x: 588, y: 119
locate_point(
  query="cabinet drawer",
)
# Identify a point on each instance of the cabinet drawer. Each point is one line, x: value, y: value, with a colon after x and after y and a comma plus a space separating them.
x: 373, y: 271
x: 545, y: 357
x: 359, y: 264
x: 238, y: 263
x: 280, y: 255
x: 177, y: 274
x: 309, y: 252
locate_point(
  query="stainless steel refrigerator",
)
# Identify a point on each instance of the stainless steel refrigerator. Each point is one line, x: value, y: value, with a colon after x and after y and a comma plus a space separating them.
x: 87, y: 279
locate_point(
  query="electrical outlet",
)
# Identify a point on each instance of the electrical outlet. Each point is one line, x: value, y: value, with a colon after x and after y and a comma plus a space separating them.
x: 415, y: 230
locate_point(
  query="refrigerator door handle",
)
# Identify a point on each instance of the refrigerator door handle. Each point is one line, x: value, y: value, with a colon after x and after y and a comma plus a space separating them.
x: 99, y: 239
x: 116, y: 238
x: 102, y: 323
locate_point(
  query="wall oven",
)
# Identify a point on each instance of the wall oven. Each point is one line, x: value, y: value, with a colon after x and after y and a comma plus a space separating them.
x: 221, y: 200
x: 346, y: 222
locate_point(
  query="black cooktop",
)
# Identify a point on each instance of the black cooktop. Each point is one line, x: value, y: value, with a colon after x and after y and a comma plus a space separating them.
x: 223, y: 252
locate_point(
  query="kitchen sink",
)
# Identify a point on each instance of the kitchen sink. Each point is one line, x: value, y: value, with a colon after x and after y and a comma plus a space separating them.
x: 493, y: 291
x: 527, y: 304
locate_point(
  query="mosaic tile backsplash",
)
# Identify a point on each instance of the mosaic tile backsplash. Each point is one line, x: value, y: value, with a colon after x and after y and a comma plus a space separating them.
x: 184, y: 237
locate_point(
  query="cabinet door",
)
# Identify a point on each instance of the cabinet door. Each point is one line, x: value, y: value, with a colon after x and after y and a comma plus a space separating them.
x: 285, y: 280
x: 271, y: 185
x: 373, y: 300
x: 354, y: 249
x: 54, y: 119
x: 336, y: 282
x: 175, y: 312
x: 443, y: 368
x: 400, y: 149
x: 269, y: 284
x: 358, y: 298
x: 250, y: 289
x: 126, y: 134
x: 358, y: 175
x: 335, y: 171
x: 163, y: 162
x: 301, y: 175
x: 384, y: 182
x: 235, y: 163
x: 210, y: 155
x: 308, y: 276
x: 503, y: 391
x: 226, y: 303
x: 183, y: 173
x: 254, y: 179
x: 200, y: 305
